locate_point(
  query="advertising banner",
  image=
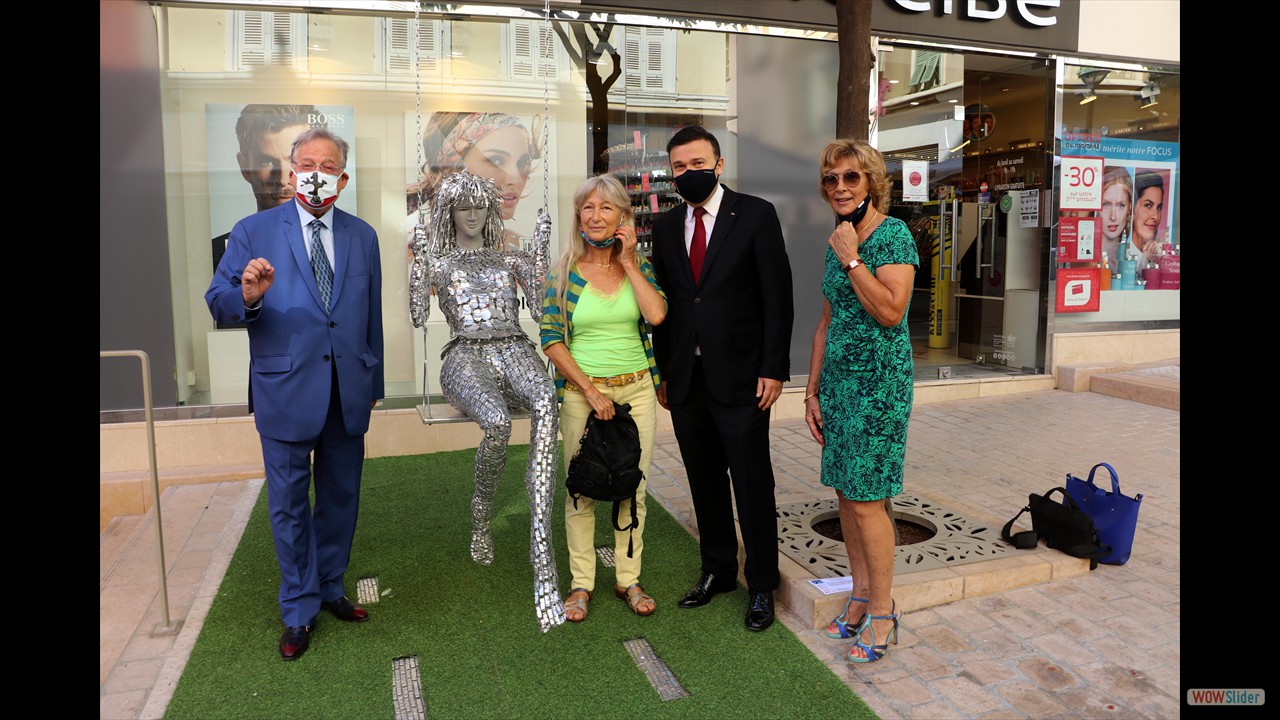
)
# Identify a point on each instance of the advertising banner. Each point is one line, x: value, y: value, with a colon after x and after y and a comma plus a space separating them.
x: 1132, y: 192
x: 915, y: 180
x: 248, y: 158
x: 503, y: 147
x: 1077, y: 290
x: 1077, y: 240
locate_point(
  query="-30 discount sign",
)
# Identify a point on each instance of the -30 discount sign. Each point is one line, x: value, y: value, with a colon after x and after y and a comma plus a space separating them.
x: 1081, y: 184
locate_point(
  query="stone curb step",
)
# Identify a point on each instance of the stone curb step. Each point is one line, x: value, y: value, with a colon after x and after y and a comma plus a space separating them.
x: 129, y: 492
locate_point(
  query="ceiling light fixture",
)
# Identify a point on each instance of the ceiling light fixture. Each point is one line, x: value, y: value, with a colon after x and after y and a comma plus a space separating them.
x: 1089, y: 96
x: 1092, y: 77
x: 1148, y: 95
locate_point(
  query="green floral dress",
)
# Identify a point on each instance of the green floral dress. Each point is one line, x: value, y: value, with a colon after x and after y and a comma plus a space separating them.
x: 866, y: 384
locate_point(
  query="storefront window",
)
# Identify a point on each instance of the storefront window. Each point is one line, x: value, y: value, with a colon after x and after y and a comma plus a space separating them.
x: 535, y: 105
x: 1118, y: 209
x: 539, y: 105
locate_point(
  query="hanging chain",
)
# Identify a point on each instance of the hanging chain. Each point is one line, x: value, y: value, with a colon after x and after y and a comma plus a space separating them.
x: 546, y: 109
x: 417, y: 97
x: 419, y: 230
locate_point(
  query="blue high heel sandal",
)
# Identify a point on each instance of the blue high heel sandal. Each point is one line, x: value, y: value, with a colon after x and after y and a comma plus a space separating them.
x: 873, y: 651
x: 846, y: 630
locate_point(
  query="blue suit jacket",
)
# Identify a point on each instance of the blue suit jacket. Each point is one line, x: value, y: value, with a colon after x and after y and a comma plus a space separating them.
x: 293, y: 345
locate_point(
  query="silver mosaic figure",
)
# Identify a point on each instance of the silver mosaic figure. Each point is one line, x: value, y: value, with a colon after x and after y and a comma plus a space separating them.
x: 490, y: 366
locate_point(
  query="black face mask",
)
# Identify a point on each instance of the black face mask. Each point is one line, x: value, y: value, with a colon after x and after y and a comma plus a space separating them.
x: 858, y: 213
x: 696, y: 185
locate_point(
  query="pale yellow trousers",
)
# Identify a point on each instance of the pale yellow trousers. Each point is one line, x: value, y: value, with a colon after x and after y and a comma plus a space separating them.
x: 580, y: 522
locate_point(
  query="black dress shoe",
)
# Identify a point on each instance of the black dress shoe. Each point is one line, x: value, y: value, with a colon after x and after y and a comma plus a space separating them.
x: 708, y: 586
x: 344, y: 609
x: 759, y: 611
x: 294, y: 641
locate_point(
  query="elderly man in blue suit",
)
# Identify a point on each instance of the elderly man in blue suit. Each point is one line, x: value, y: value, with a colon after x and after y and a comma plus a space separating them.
x: 306, y: 278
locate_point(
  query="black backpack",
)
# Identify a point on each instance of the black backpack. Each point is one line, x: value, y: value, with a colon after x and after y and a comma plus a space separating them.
x: 607, y: 464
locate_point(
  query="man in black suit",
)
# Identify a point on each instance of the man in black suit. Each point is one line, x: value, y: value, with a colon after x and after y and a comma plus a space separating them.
x: 724, y: 354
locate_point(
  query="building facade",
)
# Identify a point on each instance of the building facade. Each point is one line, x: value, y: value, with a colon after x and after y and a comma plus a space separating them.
x: 1006, y: 125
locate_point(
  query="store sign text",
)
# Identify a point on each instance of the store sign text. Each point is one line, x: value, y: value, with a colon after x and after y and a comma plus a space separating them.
x: 985, y: 10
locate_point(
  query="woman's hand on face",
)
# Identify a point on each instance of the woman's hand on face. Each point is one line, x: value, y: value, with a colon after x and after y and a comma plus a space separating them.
x: 626, y: 235
x: 844, y: 240
x: 602, y: 405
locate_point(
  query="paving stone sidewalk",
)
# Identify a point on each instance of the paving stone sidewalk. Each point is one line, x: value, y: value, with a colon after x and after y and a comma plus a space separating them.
x: 1105, y: 644
x: 1102, y: 645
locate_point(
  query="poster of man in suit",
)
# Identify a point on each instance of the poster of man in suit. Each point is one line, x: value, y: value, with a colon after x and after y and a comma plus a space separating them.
x: 248, y: 158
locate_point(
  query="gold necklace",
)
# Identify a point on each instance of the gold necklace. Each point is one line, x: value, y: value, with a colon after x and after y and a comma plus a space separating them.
x: 606, y: 266
x: 874, y: 213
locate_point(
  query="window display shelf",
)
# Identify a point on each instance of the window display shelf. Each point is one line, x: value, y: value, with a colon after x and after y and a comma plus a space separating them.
x: 647, y: 177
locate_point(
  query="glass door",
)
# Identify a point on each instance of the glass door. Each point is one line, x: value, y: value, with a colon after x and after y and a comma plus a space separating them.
x: 980, y: 123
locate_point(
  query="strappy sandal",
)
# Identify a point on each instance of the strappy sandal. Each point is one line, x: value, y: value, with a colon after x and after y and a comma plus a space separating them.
x: 841, y: 628
x: 578, y: 604
x: 636, y: 598
x: 873, y: 651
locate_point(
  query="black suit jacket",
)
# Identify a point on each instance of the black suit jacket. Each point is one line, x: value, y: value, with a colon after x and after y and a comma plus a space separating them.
x: 741, y: 311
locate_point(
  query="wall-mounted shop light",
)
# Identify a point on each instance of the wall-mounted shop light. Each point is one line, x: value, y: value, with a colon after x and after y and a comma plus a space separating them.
x: 1148, y: 95
x: 1092, y: 77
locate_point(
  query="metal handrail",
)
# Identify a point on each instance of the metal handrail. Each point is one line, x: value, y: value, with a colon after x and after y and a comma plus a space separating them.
x: 166, y: 626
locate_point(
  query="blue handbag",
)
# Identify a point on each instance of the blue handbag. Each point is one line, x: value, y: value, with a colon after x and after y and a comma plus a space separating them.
x: 1114, y: 514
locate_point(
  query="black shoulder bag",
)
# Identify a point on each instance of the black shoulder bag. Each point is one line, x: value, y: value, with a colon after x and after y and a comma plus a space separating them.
x: 1063, y: 525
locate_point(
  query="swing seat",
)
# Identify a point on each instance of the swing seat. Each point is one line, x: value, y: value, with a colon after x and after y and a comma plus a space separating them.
x: 430, y: 416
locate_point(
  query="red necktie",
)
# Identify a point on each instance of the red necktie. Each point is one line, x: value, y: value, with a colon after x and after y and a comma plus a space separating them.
x: 698, y: 248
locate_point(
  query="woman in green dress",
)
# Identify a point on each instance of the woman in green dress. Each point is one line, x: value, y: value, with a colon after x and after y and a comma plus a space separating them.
x: 858, y: 399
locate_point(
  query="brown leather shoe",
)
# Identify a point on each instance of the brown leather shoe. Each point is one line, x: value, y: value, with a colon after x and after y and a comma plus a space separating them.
x: 345, y: 610
x: 295, y: 641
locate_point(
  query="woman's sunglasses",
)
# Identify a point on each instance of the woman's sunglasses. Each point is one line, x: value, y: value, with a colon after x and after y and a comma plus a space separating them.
x: 831, y: 181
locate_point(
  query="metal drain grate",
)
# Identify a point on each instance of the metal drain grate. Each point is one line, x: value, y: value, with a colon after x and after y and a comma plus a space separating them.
x: 660, y: 676
x: 957, y: 539
x: 406, y: 686
x: 367, y: 591
x: 606, y: 556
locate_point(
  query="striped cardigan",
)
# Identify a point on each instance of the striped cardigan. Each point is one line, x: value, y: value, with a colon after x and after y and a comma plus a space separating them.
x: 557, y: 325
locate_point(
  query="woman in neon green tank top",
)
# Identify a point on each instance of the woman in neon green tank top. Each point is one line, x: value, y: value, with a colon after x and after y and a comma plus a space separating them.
x: 600, y: 299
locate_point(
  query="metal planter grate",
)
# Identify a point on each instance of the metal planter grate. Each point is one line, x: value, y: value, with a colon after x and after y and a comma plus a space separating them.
x: 957, y: 540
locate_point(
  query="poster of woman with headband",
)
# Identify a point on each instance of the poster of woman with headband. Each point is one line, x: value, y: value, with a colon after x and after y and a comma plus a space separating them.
x: 505, y: 148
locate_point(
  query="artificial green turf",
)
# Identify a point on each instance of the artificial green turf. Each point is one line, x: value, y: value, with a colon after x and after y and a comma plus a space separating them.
x: 473, y: 629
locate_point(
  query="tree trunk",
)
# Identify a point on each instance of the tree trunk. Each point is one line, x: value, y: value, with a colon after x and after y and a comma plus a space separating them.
x: 853, y: 87
x: 598, y: 90
x: 597, y: 86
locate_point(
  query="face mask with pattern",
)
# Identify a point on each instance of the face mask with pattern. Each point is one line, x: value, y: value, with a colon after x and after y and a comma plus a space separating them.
x: 317, y: 189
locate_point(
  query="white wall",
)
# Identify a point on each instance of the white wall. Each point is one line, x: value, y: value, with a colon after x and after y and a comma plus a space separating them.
x: 1147, y: 29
